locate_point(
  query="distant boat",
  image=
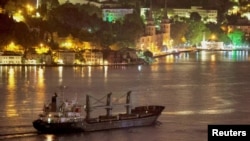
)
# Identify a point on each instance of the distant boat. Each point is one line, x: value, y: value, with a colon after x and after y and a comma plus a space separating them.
x: 67, y: 117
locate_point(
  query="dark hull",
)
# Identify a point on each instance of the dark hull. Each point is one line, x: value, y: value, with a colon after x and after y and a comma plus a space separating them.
x: 45, y: 127
x: 145, y: 119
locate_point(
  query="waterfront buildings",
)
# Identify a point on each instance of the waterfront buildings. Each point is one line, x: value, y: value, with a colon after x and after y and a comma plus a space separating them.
x: 93, y: 57
x: 212, y: 45
x: 65, y: 57
x: 10, y: 59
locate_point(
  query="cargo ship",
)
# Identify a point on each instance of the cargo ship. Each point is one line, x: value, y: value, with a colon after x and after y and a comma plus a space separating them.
x: 68, y: 117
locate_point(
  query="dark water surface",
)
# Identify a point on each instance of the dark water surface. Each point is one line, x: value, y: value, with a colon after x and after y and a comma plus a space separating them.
x: 197, y: 89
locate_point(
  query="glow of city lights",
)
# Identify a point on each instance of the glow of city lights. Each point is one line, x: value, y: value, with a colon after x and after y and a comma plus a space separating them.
x: 38, y: 15
x: 105, y: 62
x: 60, y: 61
x: 41, y: 49
x: 29, y: 8
x: 49, y: 137
x: 17, y: 16
x: 13, y: 47
x: 235, y: 10
x: 139, y: 68
x: 169, y: 59
x: 213, y: 37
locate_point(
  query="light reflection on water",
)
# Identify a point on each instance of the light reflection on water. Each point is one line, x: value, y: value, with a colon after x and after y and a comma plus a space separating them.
x: 220, y: 106
x: 206, y: 112
x: 10, y: 102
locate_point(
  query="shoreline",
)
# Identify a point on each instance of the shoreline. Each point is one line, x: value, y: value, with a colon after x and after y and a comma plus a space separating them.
x: 74, y: 65
x: 125, y: 64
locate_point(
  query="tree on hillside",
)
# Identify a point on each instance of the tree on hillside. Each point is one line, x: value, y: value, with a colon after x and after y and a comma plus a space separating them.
x: 221, y: 35
x: 105, y: 35
x: 237, y: 37
x: 6, y: 29
x: 3, y: 2
x: 195, y: 32
x: 178, y: 30
x: 22, y: 35
x: 131, y: 28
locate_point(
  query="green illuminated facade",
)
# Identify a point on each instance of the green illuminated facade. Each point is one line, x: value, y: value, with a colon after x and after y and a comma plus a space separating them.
x: 114, y: 14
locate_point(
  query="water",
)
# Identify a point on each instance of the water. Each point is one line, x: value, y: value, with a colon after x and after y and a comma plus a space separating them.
x: 197, y: 89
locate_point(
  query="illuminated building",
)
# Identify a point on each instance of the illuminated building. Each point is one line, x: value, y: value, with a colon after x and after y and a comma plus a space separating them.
x: 207, y: 15
x: 153, y: 40
x: 93, y: 58
x: 66, y: 57
x: 114, y: 14
x: 212, y: 45
x: 10, y: 59
x: 38, y: 55
x: 97, y: 3
x: 71, y: 43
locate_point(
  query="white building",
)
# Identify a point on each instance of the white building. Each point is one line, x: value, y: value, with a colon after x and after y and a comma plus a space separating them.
x: 207, y: 15
x: 212, y: 45
x: 81, y: 1
x: 97, y: 3
x: 10, y: 59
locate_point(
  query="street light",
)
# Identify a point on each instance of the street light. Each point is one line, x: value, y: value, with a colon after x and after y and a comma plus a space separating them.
x: 30, y: 8
x: 213, y: 37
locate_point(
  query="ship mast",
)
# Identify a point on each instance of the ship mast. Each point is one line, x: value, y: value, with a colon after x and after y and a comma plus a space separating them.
x: 128, y: 103
x: 109, y: 105
x: 87, y: 108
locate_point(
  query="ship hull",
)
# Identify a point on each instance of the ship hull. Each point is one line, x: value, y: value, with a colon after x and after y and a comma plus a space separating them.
x: 80, y: 126
x: 145, y: 119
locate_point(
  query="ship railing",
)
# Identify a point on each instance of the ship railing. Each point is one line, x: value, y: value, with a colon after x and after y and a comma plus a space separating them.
x: 128, y: 116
